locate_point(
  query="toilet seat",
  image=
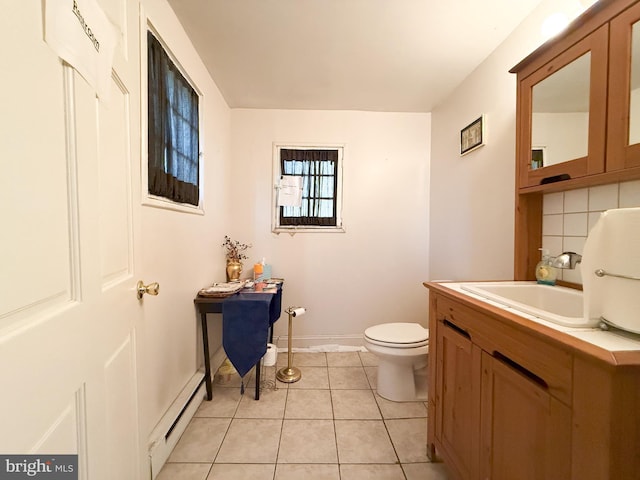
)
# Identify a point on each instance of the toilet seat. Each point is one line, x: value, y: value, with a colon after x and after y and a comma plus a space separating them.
x: 398, y: 335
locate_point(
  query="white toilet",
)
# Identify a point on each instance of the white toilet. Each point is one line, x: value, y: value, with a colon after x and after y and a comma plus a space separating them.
x: 402, y: 350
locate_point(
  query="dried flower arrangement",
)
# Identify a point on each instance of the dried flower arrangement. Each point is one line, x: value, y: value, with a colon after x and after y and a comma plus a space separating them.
x: 235, y: 249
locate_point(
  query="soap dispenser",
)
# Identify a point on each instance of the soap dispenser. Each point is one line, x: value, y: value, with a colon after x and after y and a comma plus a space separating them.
x: 545, y: 272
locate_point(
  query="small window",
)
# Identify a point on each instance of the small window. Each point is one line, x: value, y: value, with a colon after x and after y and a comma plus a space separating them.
x: 173, y: 133
x: 318, y: 171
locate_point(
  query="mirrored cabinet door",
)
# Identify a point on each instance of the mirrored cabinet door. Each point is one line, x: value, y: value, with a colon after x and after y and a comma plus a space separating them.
x: 623, y: 143
x: 563, y: 114
x: 560, y: 115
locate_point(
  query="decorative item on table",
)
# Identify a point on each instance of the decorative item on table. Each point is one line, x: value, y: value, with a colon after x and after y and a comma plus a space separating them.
x: 264, y: 286
x: 258, y: 270
x: 261, y: 270
x: 270, y: 287
x: 221, y: 290
x: 266, y: 271
x: 235, y: 254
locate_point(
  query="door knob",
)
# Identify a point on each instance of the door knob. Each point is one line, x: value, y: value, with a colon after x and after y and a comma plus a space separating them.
x: 151, y: 289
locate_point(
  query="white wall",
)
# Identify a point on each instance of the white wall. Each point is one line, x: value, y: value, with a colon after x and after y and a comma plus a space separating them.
x: 473, y: 197
x: 181, y: 250
x: 373, y: 272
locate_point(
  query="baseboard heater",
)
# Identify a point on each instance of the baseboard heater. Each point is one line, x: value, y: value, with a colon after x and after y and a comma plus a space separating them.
x: 174, y: 422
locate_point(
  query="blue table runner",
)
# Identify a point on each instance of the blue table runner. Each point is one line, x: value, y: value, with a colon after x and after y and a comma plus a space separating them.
x: 246, y: 318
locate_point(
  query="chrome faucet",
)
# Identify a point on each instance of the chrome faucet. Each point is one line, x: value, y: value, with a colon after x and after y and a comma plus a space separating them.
x: 566, y: 260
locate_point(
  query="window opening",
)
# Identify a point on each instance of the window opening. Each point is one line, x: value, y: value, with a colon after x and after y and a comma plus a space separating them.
x: 173, y: 129
x: 319, y: 170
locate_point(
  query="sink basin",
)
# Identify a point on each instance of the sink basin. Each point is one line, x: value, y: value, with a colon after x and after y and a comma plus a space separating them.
x: 559, y: 305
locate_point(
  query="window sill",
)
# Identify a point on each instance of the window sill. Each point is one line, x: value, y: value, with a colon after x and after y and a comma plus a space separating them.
x: 294, y: 230
x: 165, y: 204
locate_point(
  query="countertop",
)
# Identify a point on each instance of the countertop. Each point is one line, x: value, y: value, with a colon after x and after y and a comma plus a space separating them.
x: 614, y: 346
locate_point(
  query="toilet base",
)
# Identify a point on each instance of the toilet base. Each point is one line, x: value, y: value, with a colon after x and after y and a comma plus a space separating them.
x: 401, y: 383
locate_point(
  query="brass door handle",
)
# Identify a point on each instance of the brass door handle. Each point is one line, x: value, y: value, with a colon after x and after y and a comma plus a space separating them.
x: 151, y: 289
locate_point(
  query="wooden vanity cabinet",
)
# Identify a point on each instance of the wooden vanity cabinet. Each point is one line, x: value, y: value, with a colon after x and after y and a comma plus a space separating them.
x: 511, y: 399
x: 492, y: 420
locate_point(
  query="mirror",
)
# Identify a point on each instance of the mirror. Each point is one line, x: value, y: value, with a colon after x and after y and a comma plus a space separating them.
x: 634, y: 108
x: 560, y: 115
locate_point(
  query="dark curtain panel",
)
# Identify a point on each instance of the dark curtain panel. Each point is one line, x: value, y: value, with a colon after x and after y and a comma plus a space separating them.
x: 172, y: 129
x: 320, y: 183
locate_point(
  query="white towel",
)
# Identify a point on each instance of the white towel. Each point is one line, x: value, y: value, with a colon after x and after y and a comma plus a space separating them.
x: 613, y: 245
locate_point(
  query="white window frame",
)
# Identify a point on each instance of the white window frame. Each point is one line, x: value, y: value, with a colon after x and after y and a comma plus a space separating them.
x: 275, y: 209
x: 148, y: 199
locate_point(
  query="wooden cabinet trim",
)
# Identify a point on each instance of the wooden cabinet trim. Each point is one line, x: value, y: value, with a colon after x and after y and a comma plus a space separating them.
x: 599, y: 14
x: 614, y: 176
x: 528, y: 236
x: 431, y: 402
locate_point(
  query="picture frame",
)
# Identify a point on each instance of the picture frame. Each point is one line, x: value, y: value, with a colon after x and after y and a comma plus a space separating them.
x: 473, y: 136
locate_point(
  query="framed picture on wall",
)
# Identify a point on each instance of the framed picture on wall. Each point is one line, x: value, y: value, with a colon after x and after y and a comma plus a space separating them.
x: 472, y: 136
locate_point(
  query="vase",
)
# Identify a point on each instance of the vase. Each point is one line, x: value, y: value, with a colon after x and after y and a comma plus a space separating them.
x: 234, y: 269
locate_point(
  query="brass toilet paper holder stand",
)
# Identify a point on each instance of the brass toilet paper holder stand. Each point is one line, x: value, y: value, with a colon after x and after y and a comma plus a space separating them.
x: 290, y: 374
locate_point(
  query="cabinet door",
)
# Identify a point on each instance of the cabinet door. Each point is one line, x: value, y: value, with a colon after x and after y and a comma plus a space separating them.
x: 526, y: 433
x: 562, y: 114
x: 623, y: 142
x: 458, y: 399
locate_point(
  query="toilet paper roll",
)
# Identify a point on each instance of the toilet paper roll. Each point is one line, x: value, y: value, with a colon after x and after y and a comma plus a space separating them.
x: 299, y: 311
x: 271, y: 356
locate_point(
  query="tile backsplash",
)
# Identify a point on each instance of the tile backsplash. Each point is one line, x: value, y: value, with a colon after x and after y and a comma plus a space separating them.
x: 568, y: 216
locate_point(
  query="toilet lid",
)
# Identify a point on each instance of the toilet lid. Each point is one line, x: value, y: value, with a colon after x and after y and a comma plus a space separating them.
x: 398, y: 333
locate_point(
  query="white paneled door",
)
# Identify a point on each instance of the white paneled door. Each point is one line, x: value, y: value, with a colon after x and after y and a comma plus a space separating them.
x: 69, y: 210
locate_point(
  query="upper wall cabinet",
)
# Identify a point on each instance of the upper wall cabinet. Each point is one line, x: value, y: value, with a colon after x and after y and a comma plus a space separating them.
x: 578, y: 108
x: 563, y: 107
x: 623, y: 147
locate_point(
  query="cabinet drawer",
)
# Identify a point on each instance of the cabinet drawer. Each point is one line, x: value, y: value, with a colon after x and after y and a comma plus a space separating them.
x: 548, y: 362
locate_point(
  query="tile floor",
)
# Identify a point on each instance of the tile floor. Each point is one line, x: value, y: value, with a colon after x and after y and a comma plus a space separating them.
x: 330, y: 425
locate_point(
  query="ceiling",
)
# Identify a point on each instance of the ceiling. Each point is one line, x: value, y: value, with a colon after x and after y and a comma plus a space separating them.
x: 375, y: 55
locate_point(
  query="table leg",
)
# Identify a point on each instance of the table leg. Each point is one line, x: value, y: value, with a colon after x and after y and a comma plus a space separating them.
x: 207, y: 360
x: 258, y: 380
